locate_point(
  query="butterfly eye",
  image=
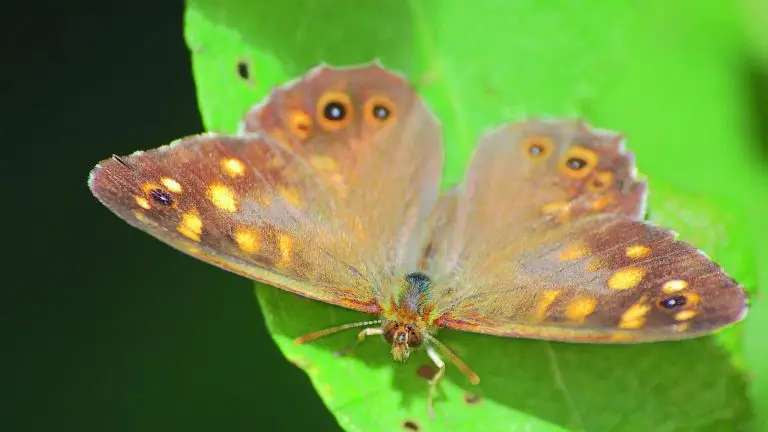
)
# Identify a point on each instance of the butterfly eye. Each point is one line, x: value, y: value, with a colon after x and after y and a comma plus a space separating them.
x: 578, y: 162
x: 334, y: 111
x: 300, y: 124
x: 158, y: 195
x: 161, y: 197
x: 575, y: 163
x: 673, y: 302
x: 538, y: 147
x: 679, y: 300
x: 379, y: 110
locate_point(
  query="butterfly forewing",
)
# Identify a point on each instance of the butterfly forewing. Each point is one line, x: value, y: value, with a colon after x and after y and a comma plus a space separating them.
x: 218, y: 199
x: 320, y: 216
x: 544, y: 240
x: 392, y: 180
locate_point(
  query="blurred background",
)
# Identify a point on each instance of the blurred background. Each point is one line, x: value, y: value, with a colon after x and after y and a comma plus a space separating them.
x: 104, y: 328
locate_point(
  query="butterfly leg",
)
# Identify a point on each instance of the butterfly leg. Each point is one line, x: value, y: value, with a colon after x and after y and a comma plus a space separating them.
x: 435, y: 357
x: 370, y: 331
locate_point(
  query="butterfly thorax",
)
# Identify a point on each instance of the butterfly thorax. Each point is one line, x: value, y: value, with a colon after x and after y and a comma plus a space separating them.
x: 407, y: 319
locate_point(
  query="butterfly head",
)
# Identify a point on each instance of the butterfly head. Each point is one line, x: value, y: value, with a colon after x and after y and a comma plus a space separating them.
x: 403, y: 337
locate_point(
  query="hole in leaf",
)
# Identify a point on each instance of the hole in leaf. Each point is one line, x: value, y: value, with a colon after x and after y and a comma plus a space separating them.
x: 244, y: 71
x: 411, y: 426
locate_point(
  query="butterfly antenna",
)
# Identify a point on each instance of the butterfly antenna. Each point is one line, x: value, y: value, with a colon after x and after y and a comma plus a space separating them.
x: 329, y: 331
x: 473, y: 378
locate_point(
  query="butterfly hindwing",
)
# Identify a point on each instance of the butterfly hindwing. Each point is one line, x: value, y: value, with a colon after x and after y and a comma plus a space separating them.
x: 608, y: 279
x: 522, y: 179
x: 550, y: 244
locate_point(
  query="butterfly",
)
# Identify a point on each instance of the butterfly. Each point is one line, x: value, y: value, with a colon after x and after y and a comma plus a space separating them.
x: 331, y: 190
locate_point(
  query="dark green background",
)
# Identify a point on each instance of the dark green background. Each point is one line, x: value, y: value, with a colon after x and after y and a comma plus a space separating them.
x: 104, y: 328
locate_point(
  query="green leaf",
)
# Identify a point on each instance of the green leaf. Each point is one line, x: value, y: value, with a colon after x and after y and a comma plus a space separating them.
x: 755, y: 329
x: 660, y: 71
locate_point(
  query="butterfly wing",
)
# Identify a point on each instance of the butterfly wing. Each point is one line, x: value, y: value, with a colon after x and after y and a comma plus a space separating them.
x: 322, y: 217
x: 392, y: 182
x: 545, y: 240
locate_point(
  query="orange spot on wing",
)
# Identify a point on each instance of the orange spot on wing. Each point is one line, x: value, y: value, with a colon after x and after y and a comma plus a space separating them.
x: 142, y: 202
x: 171, y: 184
x: 140, y: 216
x: 685, y: 315
x: 674, y: 286
x: 191, y: 226
x: 600, y: 181
x: 547, y: 297
x: 285, y: 244
x: 560, y: 209
x: 626, y: 278
x: 574, y: 252
x: 637, y: 251
x: 692, y: 298
x: 600, y: 203
x: 580, y: 308
x: 247, y: 239
x: 233, y: 167
x: 554, y: 207
x: 634, y: 317
x: 222, y: 197
x: 324, y: 163
x: 300, y: 124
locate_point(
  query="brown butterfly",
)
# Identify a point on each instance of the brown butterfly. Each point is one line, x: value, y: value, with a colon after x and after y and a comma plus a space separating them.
x: 331, y: 191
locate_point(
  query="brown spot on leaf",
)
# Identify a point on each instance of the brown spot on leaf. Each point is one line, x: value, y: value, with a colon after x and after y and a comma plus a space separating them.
x: 472, y: 399
x: 426, y: 371
x: 411, y: 426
